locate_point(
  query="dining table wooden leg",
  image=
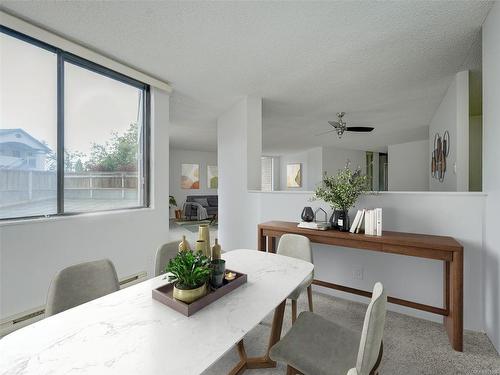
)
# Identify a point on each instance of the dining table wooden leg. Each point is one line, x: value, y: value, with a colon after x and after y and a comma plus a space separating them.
x: 242, y: 364
x: 453, y: 322
x: 264, y: 361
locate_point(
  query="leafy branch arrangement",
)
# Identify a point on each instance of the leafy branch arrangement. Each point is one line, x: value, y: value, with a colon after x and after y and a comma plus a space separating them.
x: 171, y: 201
x: 189, y: 270
x: 342, y: 190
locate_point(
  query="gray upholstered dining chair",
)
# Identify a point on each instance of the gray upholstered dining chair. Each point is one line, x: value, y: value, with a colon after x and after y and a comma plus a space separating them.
x: 316, y: 346
x: 297, y: 246
x: 81, y: 283
x: 164, y: 253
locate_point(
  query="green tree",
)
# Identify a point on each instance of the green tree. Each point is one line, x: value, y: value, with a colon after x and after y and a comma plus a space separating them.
x: 72, y: 161
x: 119, y: 154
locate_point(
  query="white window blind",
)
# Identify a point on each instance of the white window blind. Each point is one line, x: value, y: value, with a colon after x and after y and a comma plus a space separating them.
x: 267, y: 174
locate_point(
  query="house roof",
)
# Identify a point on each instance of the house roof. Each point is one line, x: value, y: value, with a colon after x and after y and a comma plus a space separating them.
x: 38, y: 145
x: 11, y: 162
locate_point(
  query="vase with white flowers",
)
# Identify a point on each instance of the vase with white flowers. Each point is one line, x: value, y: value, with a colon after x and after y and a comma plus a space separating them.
x: 341, y: 192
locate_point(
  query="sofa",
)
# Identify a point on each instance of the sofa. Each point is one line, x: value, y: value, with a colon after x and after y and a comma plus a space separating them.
x: 209, y: 202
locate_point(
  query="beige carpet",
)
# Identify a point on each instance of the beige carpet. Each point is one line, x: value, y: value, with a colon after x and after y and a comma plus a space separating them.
x: 411, y: 345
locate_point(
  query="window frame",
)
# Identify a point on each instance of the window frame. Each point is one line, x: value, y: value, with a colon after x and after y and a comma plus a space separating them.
x: 62, y: 57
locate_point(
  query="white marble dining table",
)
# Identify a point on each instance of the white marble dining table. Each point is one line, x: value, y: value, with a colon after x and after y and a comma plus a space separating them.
x: 128, y: 332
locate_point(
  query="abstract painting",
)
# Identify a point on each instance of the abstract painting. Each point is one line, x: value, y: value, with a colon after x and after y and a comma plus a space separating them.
x: 212, y: 176
x: 190, y: 176
x: 294, y: 175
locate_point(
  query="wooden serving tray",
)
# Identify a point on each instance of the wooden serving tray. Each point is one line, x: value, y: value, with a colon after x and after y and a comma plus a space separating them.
x: 164, y: 295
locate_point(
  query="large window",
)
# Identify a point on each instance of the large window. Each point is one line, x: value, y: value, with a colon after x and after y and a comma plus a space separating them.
x: 74, y: 136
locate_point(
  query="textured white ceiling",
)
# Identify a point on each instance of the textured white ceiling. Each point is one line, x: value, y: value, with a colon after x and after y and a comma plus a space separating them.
x: 387, y: 64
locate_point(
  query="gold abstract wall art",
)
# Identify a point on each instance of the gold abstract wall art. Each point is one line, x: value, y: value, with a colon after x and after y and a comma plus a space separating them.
x: 190, y: 176
x: 294, y: 175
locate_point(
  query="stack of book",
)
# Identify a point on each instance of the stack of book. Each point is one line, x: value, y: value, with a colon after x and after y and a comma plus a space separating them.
x: 369, y: 220
x: 316, y: 225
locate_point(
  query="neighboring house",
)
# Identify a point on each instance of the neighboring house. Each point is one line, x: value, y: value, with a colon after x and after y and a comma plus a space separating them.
x: 20, y: 150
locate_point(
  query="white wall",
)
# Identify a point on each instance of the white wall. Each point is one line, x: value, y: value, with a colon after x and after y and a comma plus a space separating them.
x: 31, y: 252
x: 453, y: 115
x: 238, y: 132
x: 335, y: 158
x: 409, y: 166
x: 276, y: 173
x: 202, y: 158
x: 315, y: 167
x: 253, y: 137
x: 491, y: 175
x: 311, y: 168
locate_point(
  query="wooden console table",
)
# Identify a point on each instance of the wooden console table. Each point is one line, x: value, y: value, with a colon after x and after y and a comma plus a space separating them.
x: 441, y: 248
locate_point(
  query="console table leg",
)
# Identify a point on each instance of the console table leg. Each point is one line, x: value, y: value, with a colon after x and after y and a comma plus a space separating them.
x: 261, y: 240
x: 271, y: 244
x: 454, y: 321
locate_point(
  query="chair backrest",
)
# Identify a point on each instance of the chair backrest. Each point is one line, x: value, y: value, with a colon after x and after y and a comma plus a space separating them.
x: 81, y: 283
x: 164, y: 254
x: 295, y: 246
x: 373, y: 330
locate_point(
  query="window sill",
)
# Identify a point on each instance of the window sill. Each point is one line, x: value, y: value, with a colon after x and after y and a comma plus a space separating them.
x: 12, y: 222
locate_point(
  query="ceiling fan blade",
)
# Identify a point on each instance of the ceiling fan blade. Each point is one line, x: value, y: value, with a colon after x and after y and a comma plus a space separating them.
x: 335, y: 124
x: 329, y: 131
x: 361, y: 129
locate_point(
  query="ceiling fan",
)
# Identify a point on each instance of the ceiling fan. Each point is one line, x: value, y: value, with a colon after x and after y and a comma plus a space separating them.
x: 340, y: 126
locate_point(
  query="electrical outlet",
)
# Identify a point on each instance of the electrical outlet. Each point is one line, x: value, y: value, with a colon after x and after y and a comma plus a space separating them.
x: 357, y: 273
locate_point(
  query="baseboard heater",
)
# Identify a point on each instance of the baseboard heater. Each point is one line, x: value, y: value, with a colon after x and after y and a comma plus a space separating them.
x: 25, y: 318
x: 133, y: 279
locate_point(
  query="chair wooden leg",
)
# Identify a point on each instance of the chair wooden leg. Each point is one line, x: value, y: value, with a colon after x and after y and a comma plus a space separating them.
x: 294, y: 310
x: 374, y: 370
x: 310, y: 297
x: 292, y: 371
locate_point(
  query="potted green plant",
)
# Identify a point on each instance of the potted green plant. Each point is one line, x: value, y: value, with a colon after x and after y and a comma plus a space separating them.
x: 189, y: 271
x: 341, y: 192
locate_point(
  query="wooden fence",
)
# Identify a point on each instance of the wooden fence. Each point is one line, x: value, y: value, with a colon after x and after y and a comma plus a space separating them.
x: 20, y: 186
